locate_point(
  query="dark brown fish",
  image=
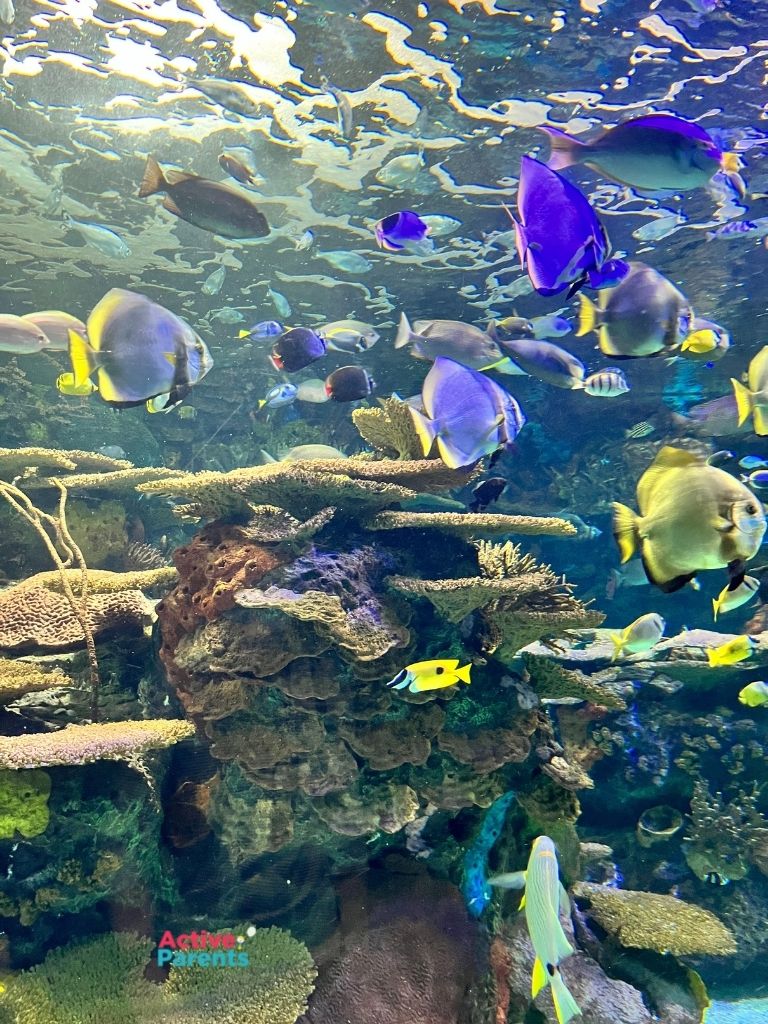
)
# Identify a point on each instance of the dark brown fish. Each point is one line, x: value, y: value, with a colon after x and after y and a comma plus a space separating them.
x: 349, y: 384
x: 210, y: 205
x: 235, y: 168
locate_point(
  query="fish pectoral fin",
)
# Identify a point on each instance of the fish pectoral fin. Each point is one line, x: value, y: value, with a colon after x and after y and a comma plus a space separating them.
x: 521, y: 904
x: 83, y: 358
x: 171, y: 206
x: 538, y: 978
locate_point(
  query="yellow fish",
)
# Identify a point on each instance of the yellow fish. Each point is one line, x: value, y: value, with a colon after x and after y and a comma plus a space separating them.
x: 640, y: 635
x: 754, y: 397
x: 731, y: 653
x: 728, y: 599
x: 755, y: 695
x: 65, y: 382
x: 431, y: 675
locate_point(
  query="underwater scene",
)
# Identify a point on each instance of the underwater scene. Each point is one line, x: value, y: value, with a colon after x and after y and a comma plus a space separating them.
x: 383, y: 455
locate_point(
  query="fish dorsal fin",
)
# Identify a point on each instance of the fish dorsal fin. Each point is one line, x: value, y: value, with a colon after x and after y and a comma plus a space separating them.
x: 667, y: 459
x: 177, y: 177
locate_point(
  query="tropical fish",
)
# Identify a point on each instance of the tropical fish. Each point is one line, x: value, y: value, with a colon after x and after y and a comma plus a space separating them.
x: 545, y: 361
x: 749, y: 462
x: 279, y: 301
x: 692, y: 517
x: 640, y: 635
x: 139, y: 351
x: 349, y: 335
x: 584, y: 531
x: 304, y: 241
x: 638, y: 430
x: 431, y: 675
x: 344, y: 112
x: 236, y: 169
x: 715, y: 418
x: 707, y: 341
x: 609, y: 382
x: 227, y: 315
x: 214, y: 282
x: 740, y: 229
x: 474, y: 877
x: 349, y: 262
x: 642, y: 316
x: 752, y: 399
x: 463, y: 343
x: 65, y: 383
x: 20, y: 335
x: 312, y: 451
x: 112, y: 451
x: 105, y: 240
x: 754, y: 695
x: 653, y: 152
x: 514, y: 327
x: 732, y: 652
x: 552, y: 325
x: 262, y: 330
x: 560, y: 241
x: 278, y: 396
x: 349, y: 384
x: 465, y: 413
x: 757, y: 478
x: 312, y: 390
x: 659, y: 227
x: 296, y: 349
x: 56, y: 326
x: 440, y: 224
x: 234, y: 96
x: 210, y: 205
x: 403, y: 230
x: 728, y: 599
x: 486, y: 493
x: 400, y: 170
x: 544, y: 900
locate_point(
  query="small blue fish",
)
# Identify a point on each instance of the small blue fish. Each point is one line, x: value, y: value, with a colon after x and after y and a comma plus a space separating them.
x: 403, y: 230
x: 262, y: 330
x: 560, y: 241
x: 550, y: 326
x: 278, y: 396
x: 757, y: 479
x: 751, y: 462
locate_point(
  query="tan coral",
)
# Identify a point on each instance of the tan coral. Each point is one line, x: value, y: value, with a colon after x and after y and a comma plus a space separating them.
x: 387, y: 808
x: 118, y: 481
x: 568, y: 774
x: 20, y: 677
x: 456, y: 598
x: 472, y: 524
x: 103, y: 581
x: 269, y: 524
x: 83, y: 744
x: 33, y: 616
x: 389, y: 744
x: 485, y: 750
x: 389, y: 429
x: 647, y: 920
x: 552, y: 681
x: 14, y: 461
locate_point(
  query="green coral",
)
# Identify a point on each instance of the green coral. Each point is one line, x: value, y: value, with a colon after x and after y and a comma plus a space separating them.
x: 552, y: 681
x: 24, y: 803
x: 102, y: 981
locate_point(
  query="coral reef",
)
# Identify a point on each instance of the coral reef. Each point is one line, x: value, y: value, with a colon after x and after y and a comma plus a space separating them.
x: 20, y: 677
x: 553, y: 681
x: 472, y: 524
x: 99, y: 531
x: 24, y: 803
x: 27, y: 461
x: 645, y: 920
x: 723, y: 839
x: 389, y: 429
x: 82, y: 744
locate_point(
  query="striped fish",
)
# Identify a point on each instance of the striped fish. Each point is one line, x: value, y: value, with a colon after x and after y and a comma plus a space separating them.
x: 641, y: 429
x: 607, y: 383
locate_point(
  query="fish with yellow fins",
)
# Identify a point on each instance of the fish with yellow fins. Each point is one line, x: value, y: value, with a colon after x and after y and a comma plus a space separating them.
x: 727, y: 600
x: 543, y: 901
x: 431, y: 675
x: 752, y: 397
x: 640, y: 635
x: 693, y: 516
x: 755, y: 695
x: 731, y: 653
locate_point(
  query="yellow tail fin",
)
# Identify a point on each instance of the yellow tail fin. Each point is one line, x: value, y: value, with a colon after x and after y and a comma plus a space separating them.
x: 538, y: 978
x: 714, y: 657
x: 760, y: 419
x: 243, y: 334
x: 744, y: 400
x: 463, y: 673
x: 625, y: 530
x: 618, y: 643
x: 588, y: 316
x: 715, y: 608
x: 82, y: 357
x: 566, y: 1007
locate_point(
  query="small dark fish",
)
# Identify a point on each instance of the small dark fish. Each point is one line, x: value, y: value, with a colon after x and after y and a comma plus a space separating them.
x: 236, y: 169
x: 486, y: 493
x: 404, y: 230
x: 210, y: 205
x: 296, y: 349
x: 349, y: 384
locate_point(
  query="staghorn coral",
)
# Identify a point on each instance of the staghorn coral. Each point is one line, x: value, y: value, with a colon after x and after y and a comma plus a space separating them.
x: 119, y: 481
x: 389, y: 429
x: 101, y: 981
x: 20, y: 677
x: 33, y: 616
x: 646, y: 920
x: 470, y: 524
x: 15, y: 461
x: 723, y: 839
x: 552, y: 681
x: 24, y: 803
x: 82, y: 744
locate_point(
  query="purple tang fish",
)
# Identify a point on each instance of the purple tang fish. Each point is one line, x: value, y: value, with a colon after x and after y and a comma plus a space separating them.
x: 404, y: 230
x: 560, y: 241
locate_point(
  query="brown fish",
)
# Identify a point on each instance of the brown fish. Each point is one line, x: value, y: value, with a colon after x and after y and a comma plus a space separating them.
x: 210, y: 205
x: 236, y: 169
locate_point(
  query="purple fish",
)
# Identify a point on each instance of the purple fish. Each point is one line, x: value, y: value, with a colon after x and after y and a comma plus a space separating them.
x: 404, y: 230
x: 560, y: 241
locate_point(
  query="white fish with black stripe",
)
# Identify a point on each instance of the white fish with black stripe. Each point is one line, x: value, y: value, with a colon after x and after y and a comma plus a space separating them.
x: 609, y: 382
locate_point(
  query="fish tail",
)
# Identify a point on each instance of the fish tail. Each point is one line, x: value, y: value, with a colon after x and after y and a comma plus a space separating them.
x: 618, y: 645
x: 625, y: 530
x: 405, y: 335
x: 714, y: 657
x: 153, y: 180
x: 82, y: 357
x: 463, y: 674
x: 564, y: 149
x: 426, y: 430
x: 539, y: 976
x: 744, y: 400
x: 566, y: 1006
x: 243, y: 334
x: 715, y: 608
x: 589, y: 316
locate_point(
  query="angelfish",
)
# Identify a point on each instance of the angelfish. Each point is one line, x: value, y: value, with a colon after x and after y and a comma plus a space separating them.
x: 543, y: 900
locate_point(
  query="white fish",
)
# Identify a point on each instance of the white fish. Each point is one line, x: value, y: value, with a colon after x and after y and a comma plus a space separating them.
x: 349, y: 262
x: 107, y: 241
x: 20, y: 336
x: 400, y: 169
x: 727, y: 599
x: 440, y: 224
x: 349, y: 335
x: 312, y: 390
x: 659, y: 227
x: 609, y: 382
x: 640, y: 635
x: 304, y: 241
x: 279, y: 301
x: 215, y: 281
x: 227, y: 315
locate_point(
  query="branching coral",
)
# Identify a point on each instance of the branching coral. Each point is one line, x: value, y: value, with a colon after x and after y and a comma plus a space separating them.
x: 723, y: 839
x: 472, y: 524
x: 20, y: 677
x: 121, y: 481
x: 14, y: 461
x: 646, y: 920
x: 389, y: 429
x: 82, y: 744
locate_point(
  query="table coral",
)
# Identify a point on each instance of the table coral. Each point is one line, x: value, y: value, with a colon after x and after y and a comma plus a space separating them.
x: 472, y: 524
x: 103, y: 581
x: 14, y: 461
x: 389, y: 429
x: 552, y: 681
x: 82, y: 744
x: 19, y: 677
x: 646, y: 920
x: 24, y: 803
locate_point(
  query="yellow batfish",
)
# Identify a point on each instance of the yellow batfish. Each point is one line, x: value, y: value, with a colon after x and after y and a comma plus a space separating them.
x: 431, y: 675
x: 755, y: 695
x: 640, y: 635
x: 692, y: 517
x: 728, y: 598
x: 736, y: 650
x: 543, y: 901
x: 753, y: 398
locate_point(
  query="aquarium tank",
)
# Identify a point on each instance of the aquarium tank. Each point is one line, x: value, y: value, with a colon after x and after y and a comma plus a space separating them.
x: 383, y: 451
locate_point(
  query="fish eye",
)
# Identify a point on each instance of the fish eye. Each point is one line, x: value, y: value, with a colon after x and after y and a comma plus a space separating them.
x: 751, y: 509
x: 439, y: 670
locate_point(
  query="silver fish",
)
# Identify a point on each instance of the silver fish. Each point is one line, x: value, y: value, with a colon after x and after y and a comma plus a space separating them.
x: 105, y: 240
